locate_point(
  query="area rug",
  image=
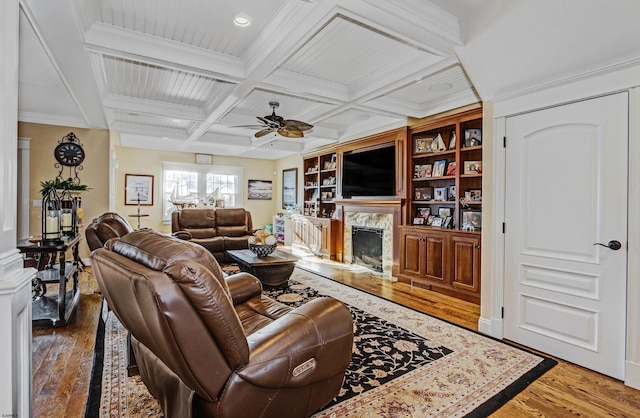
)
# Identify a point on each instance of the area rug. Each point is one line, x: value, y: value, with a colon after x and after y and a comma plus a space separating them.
x: 405, y: 363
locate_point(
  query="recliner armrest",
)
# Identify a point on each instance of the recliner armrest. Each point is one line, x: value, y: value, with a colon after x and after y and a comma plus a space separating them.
x: 242, y: 287
x: 183, y: 235
x: 309, y: 344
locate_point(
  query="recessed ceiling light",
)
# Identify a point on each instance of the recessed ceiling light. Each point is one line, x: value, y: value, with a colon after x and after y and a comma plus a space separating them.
x: 242, y: 19
x: 441, y: 87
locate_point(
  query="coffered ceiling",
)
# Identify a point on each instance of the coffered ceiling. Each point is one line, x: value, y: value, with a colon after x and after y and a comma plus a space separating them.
x: 180, y: 75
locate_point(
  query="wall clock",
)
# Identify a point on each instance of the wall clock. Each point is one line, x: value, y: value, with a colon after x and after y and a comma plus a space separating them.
x: 69, y: 154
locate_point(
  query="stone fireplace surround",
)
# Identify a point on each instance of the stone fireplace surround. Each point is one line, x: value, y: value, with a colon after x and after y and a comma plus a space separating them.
x: 380, y: 213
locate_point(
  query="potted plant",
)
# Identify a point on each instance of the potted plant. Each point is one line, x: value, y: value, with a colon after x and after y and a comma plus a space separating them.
x: 60, y: 184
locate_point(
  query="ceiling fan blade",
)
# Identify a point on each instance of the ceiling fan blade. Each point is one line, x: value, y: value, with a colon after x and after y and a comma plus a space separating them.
x: 290, y: 133
x: 296, y: 125
x: 263, y: 132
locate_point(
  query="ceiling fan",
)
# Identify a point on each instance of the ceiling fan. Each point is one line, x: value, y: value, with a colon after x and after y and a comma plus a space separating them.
x: 274, y: 123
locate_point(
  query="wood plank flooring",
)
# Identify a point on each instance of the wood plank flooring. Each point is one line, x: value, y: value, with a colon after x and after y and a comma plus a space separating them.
x: 62, y: 358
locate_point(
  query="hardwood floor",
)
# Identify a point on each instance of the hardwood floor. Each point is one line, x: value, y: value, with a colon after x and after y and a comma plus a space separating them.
x: 62, y: 358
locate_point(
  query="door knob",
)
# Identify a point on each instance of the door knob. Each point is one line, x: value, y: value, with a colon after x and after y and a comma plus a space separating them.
x: 613, y: 245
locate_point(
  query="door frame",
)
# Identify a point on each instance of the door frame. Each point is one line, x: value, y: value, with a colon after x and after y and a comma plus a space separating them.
x: 493, y: 264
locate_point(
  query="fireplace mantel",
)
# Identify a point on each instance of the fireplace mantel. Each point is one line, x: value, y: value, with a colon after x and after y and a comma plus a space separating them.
x: 369, y: 202
x: 392, y: 206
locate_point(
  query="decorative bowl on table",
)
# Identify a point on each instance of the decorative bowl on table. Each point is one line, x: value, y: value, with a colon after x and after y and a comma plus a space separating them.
x: 262, y: 250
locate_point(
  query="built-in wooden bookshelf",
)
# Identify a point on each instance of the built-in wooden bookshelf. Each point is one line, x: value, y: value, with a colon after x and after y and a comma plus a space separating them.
x: 440, y: 243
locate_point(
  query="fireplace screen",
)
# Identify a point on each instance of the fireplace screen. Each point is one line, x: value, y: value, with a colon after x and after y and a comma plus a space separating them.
x: 367, y: 247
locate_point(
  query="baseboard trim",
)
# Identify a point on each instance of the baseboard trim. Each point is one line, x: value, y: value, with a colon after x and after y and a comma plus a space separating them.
x: 491, y: 327
x: 632, y: 374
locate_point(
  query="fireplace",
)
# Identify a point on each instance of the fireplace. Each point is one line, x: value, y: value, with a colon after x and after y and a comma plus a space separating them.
x: 367, y: 247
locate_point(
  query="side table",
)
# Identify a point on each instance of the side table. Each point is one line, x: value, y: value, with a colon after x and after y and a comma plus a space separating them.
x: 50, y: 308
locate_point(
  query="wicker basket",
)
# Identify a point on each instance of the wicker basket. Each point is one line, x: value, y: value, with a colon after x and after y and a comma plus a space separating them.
x: 262, y: 250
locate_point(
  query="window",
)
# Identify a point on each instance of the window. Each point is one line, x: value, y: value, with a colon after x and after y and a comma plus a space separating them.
x: 200, y: 185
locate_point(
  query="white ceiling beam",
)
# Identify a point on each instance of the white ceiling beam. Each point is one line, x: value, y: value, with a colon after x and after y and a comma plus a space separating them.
x: 150, y: 49
x: 305, y: 86
x: 54, y: 21
x: 149, y: 130
x: 134, y: 105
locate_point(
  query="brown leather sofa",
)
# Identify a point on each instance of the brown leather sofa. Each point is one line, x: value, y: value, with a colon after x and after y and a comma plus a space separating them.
x: 103, y: 228
x: 217, y: 230
x: 210, y: 346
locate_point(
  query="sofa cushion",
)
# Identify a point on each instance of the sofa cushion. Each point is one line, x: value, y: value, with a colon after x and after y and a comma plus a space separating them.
x: 197, y: 219
x: 213, y: 244
x: 201, y: 233
x: 236, y: 243
x: 232, y: 222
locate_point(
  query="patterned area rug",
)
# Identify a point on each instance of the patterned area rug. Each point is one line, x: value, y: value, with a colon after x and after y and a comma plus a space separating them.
x: 405, y: 363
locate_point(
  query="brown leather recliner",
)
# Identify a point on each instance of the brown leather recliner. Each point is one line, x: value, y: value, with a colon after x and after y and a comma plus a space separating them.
x: 217, y: 230
x: 214, y: 347
x: 103, y: 228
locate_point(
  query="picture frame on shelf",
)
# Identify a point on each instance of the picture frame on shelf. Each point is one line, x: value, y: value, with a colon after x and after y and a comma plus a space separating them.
x: 422, y: 145
x: 475, y: 195
x: 443, y: 212
x: 440, y: 194
x: 437, y: 222
x: 438, y: 168
x: 447, y: 222
x: 421, y: 171
x: 138, y: 189
x: 423, y: 212
x: 430, y: 220
x: 418, y: 221
x: 289, y: 188
x: 451, y: 195
x: 471, y: 220
x: 423, y: 193
x: 473, y: 167
x: 472, y: 137
x: 451, y: 169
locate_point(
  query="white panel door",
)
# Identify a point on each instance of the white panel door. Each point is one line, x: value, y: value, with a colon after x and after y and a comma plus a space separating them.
x: 566, y: 189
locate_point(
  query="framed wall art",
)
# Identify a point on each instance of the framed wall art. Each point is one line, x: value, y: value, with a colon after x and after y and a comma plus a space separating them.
x: 289, y: 187
x: 260, y: 190
x: 138, y: 189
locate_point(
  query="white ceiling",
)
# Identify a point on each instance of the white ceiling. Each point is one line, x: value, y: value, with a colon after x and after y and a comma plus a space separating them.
x: 179, y: 75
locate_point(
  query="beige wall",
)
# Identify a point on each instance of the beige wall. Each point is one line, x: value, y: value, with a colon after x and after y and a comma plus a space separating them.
x: 44, y: 138
x: 95, y: 174
x: 149, y: 162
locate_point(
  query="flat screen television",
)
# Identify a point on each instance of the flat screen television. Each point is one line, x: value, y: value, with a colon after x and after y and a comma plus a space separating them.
x: 369, y: 172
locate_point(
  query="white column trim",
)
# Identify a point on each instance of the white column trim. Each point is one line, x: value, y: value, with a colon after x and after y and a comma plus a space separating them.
x: 632, y: 366
x: 24, y: 203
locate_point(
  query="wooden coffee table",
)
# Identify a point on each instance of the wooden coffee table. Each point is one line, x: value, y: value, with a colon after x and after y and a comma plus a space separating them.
x: 272, y: 270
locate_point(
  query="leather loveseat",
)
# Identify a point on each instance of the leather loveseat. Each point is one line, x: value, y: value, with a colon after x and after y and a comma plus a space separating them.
x: 210, y: 346
x: 217, y: 230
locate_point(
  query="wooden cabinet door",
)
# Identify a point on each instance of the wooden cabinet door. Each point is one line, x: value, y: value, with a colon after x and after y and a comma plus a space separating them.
x: 466, y: 263
x: 435, y: 257
x: 412, y: 262
x: 300, y: 232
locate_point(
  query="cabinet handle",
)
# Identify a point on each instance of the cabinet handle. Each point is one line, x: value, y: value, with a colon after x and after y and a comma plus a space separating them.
x: 477, y: 246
